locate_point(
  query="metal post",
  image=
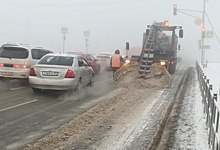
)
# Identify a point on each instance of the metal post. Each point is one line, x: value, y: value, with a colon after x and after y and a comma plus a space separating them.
x: 207, y: 95
x: 87, y: 45
x: 209, y: 101
x: 214, y: 119
x: 203, y: 25
x: 28, y: 31
x: 64, y: 38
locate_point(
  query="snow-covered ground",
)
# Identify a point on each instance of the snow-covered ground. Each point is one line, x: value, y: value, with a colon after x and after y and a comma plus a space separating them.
x: 213, y: 74
x: 186, y: 127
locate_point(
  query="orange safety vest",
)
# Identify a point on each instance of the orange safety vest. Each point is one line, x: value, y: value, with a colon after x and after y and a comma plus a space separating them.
x: 116, y: 60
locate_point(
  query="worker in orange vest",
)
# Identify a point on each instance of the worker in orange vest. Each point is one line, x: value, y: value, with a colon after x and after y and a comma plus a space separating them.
x: 116, y: 61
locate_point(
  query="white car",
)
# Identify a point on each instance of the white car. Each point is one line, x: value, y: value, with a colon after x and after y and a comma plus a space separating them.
x: 17, y: 59
x: 61, y: 72
x: 104, y: 59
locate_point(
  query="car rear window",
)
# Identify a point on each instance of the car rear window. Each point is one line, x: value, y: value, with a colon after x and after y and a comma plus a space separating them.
x: 14, y: 52
x: 57, y: 60
x: 39, y: 53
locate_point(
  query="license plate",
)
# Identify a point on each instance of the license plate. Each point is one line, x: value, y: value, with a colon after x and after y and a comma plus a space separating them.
x: 7, y: 73
x: 50, y: 73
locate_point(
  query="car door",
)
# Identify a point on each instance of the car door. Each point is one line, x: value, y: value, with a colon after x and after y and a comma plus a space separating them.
x: 88, y: 71
x: 90, y: 61
x: 95, y: 63
x: 82, y: 70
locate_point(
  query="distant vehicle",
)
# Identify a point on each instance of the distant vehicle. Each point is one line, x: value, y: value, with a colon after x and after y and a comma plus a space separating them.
x: 90, y: 59
x: 61, y: 72
x: 104, y: 59
x: 17, y: 59
x: 94, y: 55
x: 135, y: 57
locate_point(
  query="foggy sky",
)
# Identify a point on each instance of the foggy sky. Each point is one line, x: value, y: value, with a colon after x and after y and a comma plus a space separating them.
x: 111, y: 23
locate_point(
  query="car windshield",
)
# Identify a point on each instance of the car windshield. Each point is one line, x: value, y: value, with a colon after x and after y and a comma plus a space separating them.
x: 57, y: 60
x: 13, y: 52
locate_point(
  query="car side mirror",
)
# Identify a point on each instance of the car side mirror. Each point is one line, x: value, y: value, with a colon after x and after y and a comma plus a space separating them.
x: 181, y: 33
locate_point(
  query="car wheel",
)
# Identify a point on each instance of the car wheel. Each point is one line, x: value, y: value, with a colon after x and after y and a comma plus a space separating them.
x: 78, y: 87
x: 92, y: 81
x: 98, y: 71
x: 36, y: 90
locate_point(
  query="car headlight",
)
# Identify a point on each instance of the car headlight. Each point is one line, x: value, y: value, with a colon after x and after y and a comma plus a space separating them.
x: 162, y: 63
x: 127, y: 61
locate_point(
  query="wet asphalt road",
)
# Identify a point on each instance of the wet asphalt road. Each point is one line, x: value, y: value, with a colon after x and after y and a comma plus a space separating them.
x: 25, y: 117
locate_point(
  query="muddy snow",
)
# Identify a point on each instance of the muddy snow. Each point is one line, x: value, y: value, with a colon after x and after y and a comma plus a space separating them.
x: 128, y: 108
x: 157, y: 78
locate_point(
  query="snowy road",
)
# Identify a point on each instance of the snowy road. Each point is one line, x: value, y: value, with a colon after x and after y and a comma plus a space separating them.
x: 129, y: 120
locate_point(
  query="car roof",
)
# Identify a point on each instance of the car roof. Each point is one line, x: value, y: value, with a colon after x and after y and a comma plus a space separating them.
x: 75, y: 52
x: 80, y: 53
x: 22, y: 45
x: 63, y: 54
x: 104, y: 53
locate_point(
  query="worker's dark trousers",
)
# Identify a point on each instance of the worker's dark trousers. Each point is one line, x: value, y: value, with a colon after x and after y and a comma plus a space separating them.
x: 114, y: 70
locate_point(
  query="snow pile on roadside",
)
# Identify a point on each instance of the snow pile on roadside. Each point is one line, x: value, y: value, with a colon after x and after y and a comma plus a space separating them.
x: 81, y: 124
x: 132, y: 79
x: 74, y: 130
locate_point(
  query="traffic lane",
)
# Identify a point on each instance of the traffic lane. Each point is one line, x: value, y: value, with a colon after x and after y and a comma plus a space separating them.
x: 14, y: 84
x: 6, y: 84
x: 19, y: 98
x: 16, y: 95
x: 28, y: 123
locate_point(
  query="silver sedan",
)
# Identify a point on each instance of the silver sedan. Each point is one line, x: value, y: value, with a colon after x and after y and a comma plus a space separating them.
x: 61, y: 72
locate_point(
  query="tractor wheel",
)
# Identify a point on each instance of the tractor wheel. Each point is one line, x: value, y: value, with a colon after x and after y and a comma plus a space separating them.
x: 172, y: 69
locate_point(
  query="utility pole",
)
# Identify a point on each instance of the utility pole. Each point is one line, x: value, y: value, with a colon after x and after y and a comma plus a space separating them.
x: 87, y: 35
x: 87, y: 44
x: 203, y: 37
x: 28, y: 31
x: 64, y: 38
x: 198, y: 23
x: 64, y: 32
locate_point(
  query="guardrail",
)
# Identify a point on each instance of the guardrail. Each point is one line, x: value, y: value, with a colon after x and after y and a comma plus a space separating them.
x: 211, y: 108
